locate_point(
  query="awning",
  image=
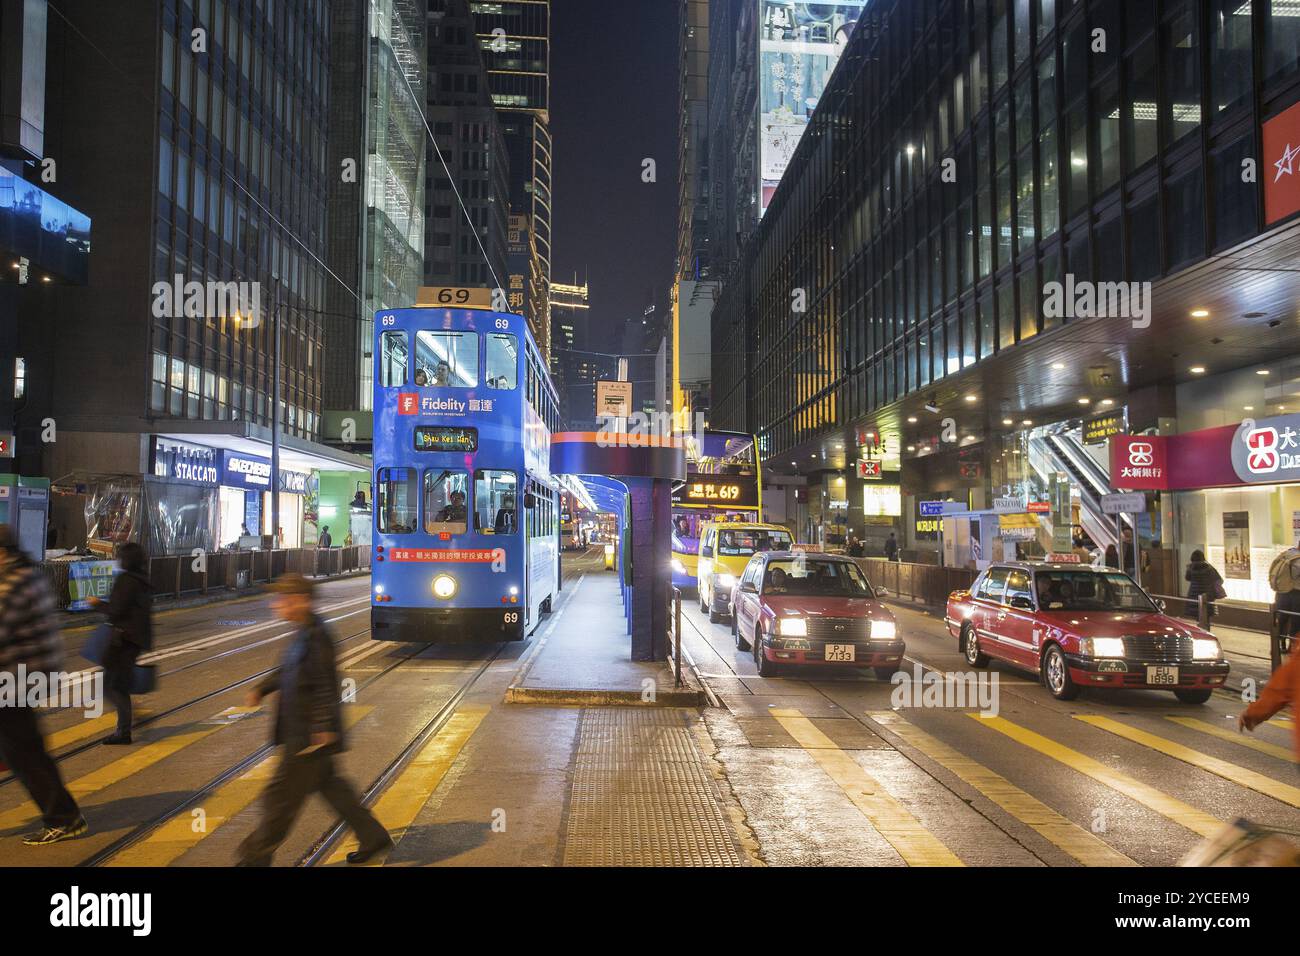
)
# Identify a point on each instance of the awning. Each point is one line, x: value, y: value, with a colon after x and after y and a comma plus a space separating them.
x: 296, y: 454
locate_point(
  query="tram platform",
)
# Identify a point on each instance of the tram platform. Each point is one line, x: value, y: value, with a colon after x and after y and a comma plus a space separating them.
x: 581, y: 656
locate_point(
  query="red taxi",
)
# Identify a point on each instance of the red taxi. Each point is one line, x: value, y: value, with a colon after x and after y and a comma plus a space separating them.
x: 1080, y: 627
x: 797, y: 607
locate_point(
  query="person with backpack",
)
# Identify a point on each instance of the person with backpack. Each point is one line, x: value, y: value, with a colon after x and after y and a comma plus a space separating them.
x: 1284, y: 579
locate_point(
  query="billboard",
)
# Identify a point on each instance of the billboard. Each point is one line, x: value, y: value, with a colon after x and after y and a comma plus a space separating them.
x: 798, y: 47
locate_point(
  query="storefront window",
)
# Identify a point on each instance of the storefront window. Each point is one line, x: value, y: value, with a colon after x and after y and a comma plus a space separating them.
x: 495, y: 502
x: 446, y: 359
x: 445, y: 502
x: 396, y: 500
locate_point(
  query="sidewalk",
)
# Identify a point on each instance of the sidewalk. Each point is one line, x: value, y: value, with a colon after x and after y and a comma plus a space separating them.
x: 581, y: 657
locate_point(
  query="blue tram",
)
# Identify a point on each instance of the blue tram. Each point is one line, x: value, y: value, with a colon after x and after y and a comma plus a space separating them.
x: 466, y: 511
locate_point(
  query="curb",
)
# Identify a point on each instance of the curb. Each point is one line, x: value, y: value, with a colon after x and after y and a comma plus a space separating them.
x: 576, y: 697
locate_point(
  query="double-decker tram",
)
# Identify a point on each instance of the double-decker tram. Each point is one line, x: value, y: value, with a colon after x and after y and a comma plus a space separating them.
x: 723, y: 483
x: 466, y: 511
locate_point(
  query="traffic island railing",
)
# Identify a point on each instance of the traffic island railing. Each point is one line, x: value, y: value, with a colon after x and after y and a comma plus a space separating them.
x: 177, y: 575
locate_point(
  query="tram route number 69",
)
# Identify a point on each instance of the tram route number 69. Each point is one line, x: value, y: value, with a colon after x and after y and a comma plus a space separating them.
x: 512, y: 617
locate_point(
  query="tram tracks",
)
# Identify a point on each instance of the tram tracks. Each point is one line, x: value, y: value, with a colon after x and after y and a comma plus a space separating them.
x: 195, y: 799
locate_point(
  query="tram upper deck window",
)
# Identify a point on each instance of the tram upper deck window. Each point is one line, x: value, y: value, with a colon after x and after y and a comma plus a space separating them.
x: 396, y: 501
x: 446, y: 500
x: 502, y: 364
x: 495, y: 501
x: 393, y: 359
x: 446, y: 359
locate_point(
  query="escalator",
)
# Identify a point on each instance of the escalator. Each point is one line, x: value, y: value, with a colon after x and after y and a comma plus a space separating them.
x: 1060, y: 452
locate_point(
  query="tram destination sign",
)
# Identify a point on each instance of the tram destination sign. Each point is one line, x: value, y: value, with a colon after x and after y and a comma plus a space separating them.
x: 446, y: 297
x: 445, y: 438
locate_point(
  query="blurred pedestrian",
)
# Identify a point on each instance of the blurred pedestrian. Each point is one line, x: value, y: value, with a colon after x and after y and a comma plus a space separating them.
x: 891, y: 547
x: 1284, y: 579
x: 1280, y: 691
x: 1203, y: 579
x: 30, y: 642
x: 325, y: 541
x: 130, y: 616
x: 1112, y: 557
x: 309, y: 731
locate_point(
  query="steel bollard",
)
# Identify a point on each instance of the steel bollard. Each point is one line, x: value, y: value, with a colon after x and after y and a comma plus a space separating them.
x: 1275, y: 637
x: 677, y: 651
x: 1202, y: 612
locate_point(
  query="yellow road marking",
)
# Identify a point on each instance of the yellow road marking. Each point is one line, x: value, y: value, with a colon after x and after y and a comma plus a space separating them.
x: 1228, y: 771
x: 1198, y: 821
x: 83, y: 729
x: 1273, y: 750
x: 133, y: 762
x: 914, y: 843
x: 178, y: 835
x: 1070, y: 837
x: 399, y: 805
x: 1286, y: 722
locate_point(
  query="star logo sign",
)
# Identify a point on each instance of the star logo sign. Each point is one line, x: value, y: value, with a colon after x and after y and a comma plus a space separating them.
x: 1286, y: 165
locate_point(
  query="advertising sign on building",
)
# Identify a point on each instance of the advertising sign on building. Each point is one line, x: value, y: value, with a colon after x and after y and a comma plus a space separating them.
x: 871, y: 469
x: 1127, y: 504
x: 1281, y: 166
x: 1008, y: 505
x: 613, y: 399
x: 1139, y: 462
x: 798, y: 47
x: 181, y: 461
x: 882, y: 500
x: 1267, y: 451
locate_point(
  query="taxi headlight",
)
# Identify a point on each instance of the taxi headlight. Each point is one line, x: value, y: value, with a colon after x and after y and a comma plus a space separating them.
x: 792, y: 627
x: 725, y: 580
x: 1205, y: 649
x: 1102, y: 647
x: 444, y: 586
x: 883, y: 630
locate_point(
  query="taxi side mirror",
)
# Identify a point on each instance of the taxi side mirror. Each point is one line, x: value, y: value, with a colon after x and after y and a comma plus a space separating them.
x: 748, y: 587
x: 706, y: 551
x: 1022, y: 602
x: 1161, y: 604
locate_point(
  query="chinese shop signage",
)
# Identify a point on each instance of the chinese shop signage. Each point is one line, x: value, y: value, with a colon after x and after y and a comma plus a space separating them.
x: 1139, y: 461
x: 1281, y: 167
x: 1267, y: 450
x: 1101, y: 427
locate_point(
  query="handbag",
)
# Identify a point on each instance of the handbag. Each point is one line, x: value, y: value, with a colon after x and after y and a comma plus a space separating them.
x: 96, y: 647
x: 1220, y: 594
x: 144, y: 678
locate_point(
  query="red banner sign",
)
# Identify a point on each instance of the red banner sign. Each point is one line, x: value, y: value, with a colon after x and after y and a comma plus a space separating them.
x: 476, y: 556
x: 1281, y: 167
x: 1139, y: 462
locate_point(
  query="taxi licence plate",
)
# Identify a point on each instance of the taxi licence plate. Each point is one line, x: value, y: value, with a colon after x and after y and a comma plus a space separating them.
x: 1163, y: 676
x: 845, y: 653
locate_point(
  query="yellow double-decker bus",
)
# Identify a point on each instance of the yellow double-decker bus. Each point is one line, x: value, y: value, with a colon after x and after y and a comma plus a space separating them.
x: 723, y: 483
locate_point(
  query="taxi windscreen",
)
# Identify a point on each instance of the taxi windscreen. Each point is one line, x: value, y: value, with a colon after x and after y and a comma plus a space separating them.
x: 1089, y: 591
x: 737, y: 542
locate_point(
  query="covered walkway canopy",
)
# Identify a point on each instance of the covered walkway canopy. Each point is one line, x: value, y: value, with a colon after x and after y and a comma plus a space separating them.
x: 631, y: 477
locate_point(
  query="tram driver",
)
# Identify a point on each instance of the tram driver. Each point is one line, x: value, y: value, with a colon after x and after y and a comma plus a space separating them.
x: 454, y: 510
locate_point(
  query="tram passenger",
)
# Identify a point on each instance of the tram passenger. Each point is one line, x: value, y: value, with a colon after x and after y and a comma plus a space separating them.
x: 309, y: 730
x: 442, y: 375
x: 505, y: 520
x: 454, y: 510
x: 421, y: 377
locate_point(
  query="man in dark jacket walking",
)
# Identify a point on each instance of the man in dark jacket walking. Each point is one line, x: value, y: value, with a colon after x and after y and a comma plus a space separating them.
x: 130, y: 616
x: 309, y: 731
x: 1202, y: 579
x: 29, y: 641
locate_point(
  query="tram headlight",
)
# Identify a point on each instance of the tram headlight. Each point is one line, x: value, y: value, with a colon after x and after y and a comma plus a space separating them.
x: 444, y: 586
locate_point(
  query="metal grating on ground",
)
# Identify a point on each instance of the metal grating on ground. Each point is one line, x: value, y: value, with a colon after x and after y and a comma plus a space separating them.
x: 642, y: 795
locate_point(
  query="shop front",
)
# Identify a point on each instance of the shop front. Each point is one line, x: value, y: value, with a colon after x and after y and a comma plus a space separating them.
x: 246, y: 488
x: 1231, y: 491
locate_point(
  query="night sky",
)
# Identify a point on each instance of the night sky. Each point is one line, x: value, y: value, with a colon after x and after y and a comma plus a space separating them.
x: 613, y: 104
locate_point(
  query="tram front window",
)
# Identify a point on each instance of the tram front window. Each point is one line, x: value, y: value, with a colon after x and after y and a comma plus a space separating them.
x: 446, y: 359
x: 495, y: 502
x: 445, y: 502
x: 397, y: 500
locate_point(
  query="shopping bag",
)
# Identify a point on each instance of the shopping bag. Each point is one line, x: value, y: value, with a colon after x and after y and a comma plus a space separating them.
x: 97, y: 645
x: 144, y: 678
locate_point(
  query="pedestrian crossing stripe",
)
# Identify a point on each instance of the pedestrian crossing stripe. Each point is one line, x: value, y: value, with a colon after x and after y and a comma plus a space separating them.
x: 1232, y: 736
x: 1198, y: 821
x: 82, y: 729
x: 1229, y: 771
x: 118, y: 770
x: 1062, y: 833
x: 177, y: 836
x: 906, y: 834
x: 401, y: 803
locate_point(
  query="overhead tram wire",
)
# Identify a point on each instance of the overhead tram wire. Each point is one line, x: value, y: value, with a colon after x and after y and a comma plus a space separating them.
x: 452, y: 180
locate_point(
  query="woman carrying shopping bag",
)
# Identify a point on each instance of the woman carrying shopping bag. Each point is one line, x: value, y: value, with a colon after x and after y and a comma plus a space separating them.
x: 130, y: 616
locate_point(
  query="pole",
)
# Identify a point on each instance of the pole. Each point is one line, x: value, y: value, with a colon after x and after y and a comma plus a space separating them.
x: 275, y: 433
x: 1137, y: 554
